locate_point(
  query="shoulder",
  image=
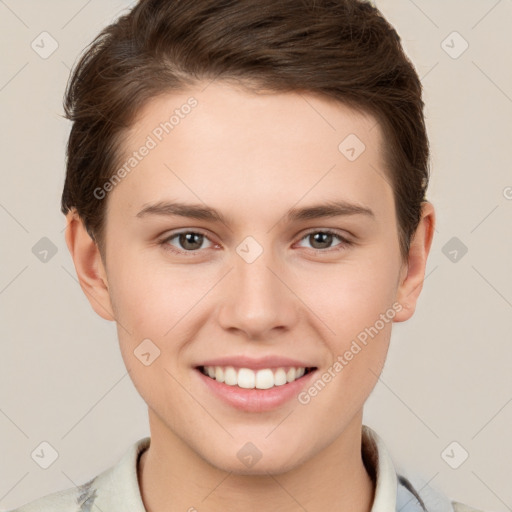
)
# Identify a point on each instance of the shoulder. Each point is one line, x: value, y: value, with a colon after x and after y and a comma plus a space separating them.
x: 67, y: 500
x: 461, y: 507
x: 426, y: 497
x: 116, y: 489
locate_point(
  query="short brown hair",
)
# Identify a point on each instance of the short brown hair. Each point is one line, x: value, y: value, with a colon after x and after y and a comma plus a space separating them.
x: 341, y: 49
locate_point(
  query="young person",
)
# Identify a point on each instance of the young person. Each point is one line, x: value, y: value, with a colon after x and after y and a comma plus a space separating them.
x: 245, y: 195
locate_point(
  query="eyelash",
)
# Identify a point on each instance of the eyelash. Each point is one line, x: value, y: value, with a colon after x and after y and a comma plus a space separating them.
x: 344, y: 242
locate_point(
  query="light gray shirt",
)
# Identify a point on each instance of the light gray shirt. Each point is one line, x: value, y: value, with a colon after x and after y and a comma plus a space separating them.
x: 117, y: 490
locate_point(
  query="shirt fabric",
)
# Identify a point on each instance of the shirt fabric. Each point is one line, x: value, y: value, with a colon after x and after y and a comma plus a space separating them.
x: 117, y: 490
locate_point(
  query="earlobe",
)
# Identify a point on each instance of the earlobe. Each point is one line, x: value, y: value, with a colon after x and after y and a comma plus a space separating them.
x: 411, y: 285
x: 88, y: 265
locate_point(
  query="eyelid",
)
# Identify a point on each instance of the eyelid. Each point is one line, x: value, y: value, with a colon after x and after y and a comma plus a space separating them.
x: 332, y: 231
x: 345, y: 241
x: 170, y: 235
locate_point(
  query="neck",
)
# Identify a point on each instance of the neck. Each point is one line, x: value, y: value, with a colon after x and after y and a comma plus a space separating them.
x: 172, y: 478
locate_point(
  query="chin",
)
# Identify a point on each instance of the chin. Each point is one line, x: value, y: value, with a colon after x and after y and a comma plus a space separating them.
x: 248, y: 460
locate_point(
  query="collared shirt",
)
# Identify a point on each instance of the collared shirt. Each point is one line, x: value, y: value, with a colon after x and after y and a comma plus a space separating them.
x: 117, y: 490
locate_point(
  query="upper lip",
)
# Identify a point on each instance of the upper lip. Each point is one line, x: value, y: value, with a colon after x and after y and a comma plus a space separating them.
x: 256, y: 363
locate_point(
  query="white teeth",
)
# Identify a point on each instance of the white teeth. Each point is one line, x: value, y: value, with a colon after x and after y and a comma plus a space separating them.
x: 249, y: 379
x: 246, y: 378
x: 264, y: 379
x: 229, y: 376
x: 280, y: 377
x: 219, y: 374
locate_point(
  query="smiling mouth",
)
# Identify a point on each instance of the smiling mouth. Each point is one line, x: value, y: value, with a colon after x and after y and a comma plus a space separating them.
x: 246, y: 378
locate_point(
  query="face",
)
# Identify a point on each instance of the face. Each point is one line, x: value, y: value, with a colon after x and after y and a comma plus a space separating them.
x: 246, y: 243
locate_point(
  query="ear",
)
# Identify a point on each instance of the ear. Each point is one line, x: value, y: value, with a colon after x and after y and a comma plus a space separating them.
x: 88, y: 265
x: 413, y: 274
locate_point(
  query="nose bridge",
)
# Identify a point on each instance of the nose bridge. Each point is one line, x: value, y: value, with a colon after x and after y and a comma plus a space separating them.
x: 255, y: 279
x: 256, y: 300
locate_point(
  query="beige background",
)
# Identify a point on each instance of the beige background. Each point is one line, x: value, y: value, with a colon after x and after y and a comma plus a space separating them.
x: 448, y: 374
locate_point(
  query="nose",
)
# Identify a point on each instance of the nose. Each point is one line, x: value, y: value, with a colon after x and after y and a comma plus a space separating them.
x: 257, y: 300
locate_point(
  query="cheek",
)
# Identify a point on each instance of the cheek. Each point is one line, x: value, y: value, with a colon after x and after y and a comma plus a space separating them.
x: 356, y: 302
x: 150, y: 299
x: 353, y: 294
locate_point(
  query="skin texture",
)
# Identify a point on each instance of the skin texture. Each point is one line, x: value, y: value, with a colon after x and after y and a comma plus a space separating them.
x: 252, y: 157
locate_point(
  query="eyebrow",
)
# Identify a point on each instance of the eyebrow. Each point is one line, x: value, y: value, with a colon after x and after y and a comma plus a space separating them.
x: 203, y: 212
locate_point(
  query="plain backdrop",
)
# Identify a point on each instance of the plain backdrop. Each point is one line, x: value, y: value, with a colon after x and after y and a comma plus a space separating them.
x: 448, y: 374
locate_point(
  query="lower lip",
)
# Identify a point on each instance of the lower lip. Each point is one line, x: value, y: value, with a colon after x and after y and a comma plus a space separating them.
x: 256, y: 400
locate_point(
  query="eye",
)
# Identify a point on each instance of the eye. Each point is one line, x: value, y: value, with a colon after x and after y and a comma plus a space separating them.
x: 189, y: 242
x: 322, y: 239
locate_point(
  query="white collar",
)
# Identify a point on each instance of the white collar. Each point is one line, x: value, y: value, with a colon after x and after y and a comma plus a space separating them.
x: 117, y: 488
x: 375, y: 455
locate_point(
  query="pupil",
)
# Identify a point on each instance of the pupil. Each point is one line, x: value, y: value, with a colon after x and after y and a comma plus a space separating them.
x: 187, y: 239
x: 323, y: 238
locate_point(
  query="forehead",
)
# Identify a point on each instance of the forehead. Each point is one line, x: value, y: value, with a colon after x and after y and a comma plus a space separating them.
x: 218, y: 140
x: 223, y: 100
x: 214, y: 110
